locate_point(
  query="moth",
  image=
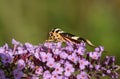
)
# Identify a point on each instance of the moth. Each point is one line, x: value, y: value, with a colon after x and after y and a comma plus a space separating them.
x: 59, y: 35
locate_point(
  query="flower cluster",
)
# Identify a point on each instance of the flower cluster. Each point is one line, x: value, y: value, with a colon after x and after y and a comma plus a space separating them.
x: 54, y: 61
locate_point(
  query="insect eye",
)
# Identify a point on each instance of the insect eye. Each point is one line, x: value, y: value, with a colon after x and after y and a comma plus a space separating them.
x: 57, y: 31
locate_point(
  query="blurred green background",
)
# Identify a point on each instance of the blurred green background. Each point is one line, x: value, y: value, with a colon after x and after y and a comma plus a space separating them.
x: 31, y: 20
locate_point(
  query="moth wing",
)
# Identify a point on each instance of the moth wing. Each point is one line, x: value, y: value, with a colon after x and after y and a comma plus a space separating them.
x: 70, y: 37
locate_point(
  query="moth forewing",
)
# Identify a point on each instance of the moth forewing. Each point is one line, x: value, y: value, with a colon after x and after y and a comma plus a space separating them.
x: 75, y: 37
x: 68, y: 38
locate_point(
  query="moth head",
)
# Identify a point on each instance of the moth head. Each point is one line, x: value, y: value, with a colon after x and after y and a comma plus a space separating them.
x: 53, y: 34
x: 50, y: 36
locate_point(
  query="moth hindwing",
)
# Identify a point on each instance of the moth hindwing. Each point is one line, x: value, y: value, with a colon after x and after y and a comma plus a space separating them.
x: 57, y: 34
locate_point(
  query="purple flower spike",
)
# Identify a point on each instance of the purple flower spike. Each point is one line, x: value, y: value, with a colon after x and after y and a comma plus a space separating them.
x: 68, y: 69
x: 15, y: 42
x: 81, y: 50
x: 63, y: 55
x: 69, y: 47
x: 21, y: 64
x: 95, y: 55
x: 52, y: 60
x: 58, y: 69
x: 51, y: 63
x: 58, y: 45
x: 82, y: 75
x: 35, y: 77
x: 46, y: 75
x: 43, y: 56
x: 6, y: 58
x: 2, y: 75
x: 73, y: 57
x: 2, y: 50
x: 55, y: 76
x: 56, y: 51
x: 39, y: 71
x: 83, y: 63
x: 18, y: 74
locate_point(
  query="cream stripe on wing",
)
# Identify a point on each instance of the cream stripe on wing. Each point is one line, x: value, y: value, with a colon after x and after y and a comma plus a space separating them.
x: 75, y: 37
